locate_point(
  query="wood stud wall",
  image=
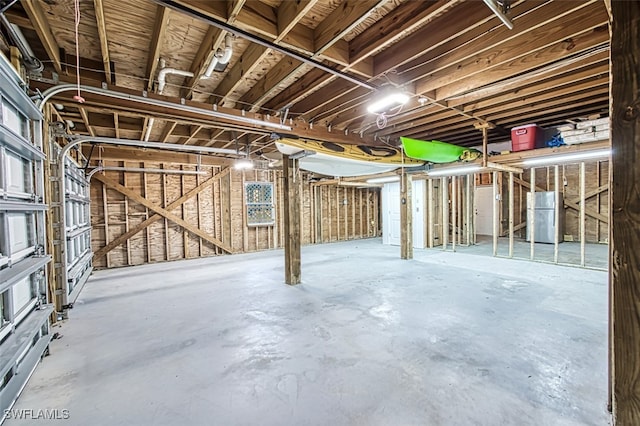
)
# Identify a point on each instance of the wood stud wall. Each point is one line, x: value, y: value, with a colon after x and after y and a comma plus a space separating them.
x: 328, y: 213
x: 596, y: 199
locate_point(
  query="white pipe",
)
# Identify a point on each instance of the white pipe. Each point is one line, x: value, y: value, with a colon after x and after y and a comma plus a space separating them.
x: 212, y: 65
x: 52, y: 91
x: 162, y: 76
x: 496, y: 10
x: 222, y: 59
x: 149, y: 126
x: 228, y: 50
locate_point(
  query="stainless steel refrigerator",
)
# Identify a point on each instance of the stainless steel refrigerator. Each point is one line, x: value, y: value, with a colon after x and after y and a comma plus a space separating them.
x: 545, y: 217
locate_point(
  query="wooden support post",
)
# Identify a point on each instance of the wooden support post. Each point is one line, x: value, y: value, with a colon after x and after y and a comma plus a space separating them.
x: 624, y: 176
x: 511, y: 207
x: 166, y: 222
x: 105, y: 209
x: 431, y: 213
x: 556, y: 236
x: 200, y: 253
x: 361, y: 216
x: 183, y: 209
x: 126, y: 216
x: 406, y: 217
x: 146, y: 215
x: 445, y: 212
x: 495, y: 213
x: 583, y: 219
x: 454, y: 211
x: 292, y: 270
x: 532, y: 210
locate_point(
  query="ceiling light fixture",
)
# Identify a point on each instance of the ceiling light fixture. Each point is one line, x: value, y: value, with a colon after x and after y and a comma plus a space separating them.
x: 243, y: 165
x: 387, y: 179
x: 388, y: 101
x: 556, y: 159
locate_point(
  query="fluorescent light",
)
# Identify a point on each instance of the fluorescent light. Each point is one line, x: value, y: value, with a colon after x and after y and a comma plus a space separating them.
x: 555, y: 159
x: 387, y: 179
x: 390, y: 100
x: 243, y: 165
x: 452, y: 171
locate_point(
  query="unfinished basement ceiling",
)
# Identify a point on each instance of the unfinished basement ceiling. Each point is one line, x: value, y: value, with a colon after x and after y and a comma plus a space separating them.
x: 458, y: 61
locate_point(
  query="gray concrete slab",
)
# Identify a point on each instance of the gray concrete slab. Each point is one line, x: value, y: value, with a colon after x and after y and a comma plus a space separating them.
x: 596, y: 255
x: 367, y: 339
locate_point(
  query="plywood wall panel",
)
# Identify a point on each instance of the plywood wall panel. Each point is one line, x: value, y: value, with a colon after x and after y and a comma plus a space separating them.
x: 219, y: 210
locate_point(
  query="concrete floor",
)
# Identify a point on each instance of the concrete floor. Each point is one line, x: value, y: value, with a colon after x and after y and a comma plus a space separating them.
x: 596, y: 255
x: 367, y: 339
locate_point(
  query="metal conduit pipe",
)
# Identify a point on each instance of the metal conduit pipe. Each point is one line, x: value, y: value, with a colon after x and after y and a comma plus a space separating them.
x: 495, y: 8
x: 55, y: 90
x: 30, y: 61
x: 143, y: 170
x: 262, y: 42
x: 62, y: 168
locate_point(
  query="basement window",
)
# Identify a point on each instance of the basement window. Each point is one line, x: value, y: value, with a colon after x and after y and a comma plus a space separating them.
x: 259, y: 201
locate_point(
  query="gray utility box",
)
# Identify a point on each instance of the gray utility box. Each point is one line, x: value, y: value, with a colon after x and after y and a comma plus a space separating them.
x: 544, y: 211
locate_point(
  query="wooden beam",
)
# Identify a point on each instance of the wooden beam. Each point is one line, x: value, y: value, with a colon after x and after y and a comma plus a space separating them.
x: 260, y: 18
x: 156, y: 43
x: 406, y: 217
x: 211, y: 42
x: 42, y: 28
x: 447, y: 86
x: 289, y: 14
x: 291, y: 210
x: 624, y: 277
x: 404, y: 19
x: 104, y: 44
x: 162, y: 211
x: 85, y: 119
x: 201, y: 114
x: 151, y: 155
x: 342, y: 20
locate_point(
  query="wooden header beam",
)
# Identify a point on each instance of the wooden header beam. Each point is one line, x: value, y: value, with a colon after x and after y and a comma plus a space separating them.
x: 298, y: 127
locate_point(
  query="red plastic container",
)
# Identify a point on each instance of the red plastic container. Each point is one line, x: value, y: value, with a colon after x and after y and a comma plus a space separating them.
x: 527, y: 137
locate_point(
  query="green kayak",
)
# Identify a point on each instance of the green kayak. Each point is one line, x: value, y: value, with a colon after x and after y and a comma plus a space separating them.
x: 437, y: 152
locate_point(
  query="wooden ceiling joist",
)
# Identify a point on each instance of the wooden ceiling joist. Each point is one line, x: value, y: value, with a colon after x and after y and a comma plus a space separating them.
x: 104, y: 43
x: 156, y: 43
